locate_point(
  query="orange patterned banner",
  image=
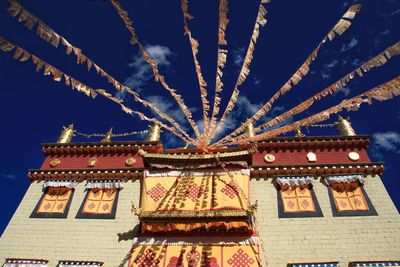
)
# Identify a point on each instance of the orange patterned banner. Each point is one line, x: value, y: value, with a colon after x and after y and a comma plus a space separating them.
x: 195, y: 255
x: 195, y: 193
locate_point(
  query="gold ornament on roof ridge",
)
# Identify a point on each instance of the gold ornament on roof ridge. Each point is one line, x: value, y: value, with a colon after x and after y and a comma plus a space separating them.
x: 66, y: 134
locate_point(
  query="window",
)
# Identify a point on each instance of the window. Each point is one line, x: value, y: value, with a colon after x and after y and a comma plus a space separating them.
x: 100, y: 201
x: 80, y: 264
x: 347, y: 196
x: 321, y: 264
x: 54, y: 203
x: 296, y: 198
x: 25, y: 263
x: 375, y: 264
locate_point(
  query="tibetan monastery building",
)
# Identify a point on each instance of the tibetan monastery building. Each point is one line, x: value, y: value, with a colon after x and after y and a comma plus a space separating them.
x: 290, y: 201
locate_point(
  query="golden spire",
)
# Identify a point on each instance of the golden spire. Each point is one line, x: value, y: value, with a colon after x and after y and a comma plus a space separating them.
x: 250, y: 129
x: 154, y: 133
x: 107, y: 139
x: 344, y: 127
x: 299, y: 133
x: 66, y: 135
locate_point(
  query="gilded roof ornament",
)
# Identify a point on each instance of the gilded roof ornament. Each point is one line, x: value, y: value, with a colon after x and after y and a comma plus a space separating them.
x: 345, y: 127
x: 107, y: 139
x: 66, y: 135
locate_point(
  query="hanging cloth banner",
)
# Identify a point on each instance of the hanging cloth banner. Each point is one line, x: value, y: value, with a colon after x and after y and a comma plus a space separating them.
x: 295, y: 181
x: 104, y: 184
x: 195, y: 49
x: 344, y: 179
x: 195, y: 255
x: 194, y: 193
x: 157, y: 76
x: 377, y: 61
x: 381, y: 92
x: 245, y: 70
x: 6, y: 46
x: 61, y: 183
x: 343, y: 24
x: 48, y: 34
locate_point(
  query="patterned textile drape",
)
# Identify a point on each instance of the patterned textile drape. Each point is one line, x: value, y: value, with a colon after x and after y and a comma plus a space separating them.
x: 104, y: 184
x: 195, y: 255
x: 60, y: 183
x: 344, y: 179
x: 292, y: 180
x: 195, y: 191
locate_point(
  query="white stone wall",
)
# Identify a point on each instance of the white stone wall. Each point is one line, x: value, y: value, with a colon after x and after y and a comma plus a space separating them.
x: 287, y: 240
x: 328, y: 239
x: 105, y: 240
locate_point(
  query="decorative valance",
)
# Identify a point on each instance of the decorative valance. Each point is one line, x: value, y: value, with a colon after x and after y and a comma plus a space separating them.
x: 329, y: 264
x: 197, y: 227
x: 295, y: 180
x: 147, y: 173
x: 375, y: 264
x: 80, y: 264
x: 195, y: 192
x: 195, y: 255
x: 196, y: 240
x: 25, y: 263
x: 60, y: 183
x: 344, y: 179
x: 193, y: 165
x: 104, y: 184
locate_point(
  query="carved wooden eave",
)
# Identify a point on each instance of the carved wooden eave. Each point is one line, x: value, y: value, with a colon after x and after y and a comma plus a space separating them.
x: 101, y: 148
x: 314, y: 142
x: 375, y: 168
x: 85, y: 174
x: 199, y: 158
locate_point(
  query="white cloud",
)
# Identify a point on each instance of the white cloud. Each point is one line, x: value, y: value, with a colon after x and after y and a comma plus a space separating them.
x: 327, y: 69
x: 257, y: 81
x: 238, y: 56
x: 349, y: 46
x: 389, y: 141
x: 168, y: 107
x: 141, y: 71
x: 8, y: 176
x: 345, y: 91
x: 387, y: 32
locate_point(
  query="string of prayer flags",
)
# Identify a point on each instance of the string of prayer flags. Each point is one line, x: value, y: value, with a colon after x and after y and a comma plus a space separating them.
x: 157, y: 76
x: 48, y: 34
x: 221, y: 61
x: 381, y: 92
x: 245, y: 70
x: 195, y: 49
x: 376, y: 61
x: 339, y: 28
x: 58, y: 76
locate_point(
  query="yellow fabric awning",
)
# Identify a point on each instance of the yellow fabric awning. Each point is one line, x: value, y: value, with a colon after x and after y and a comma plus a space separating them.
x: 195, y: 192
x: 195, y: 255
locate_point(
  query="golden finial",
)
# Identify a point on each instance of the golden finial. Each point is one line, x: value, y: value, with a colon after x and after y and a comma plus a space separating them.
x: 154, y: 133
x: 345, y: 127
x: 107, y: 139
x: 66, y: 135
x: 250, y: 129
x: 299, y: 133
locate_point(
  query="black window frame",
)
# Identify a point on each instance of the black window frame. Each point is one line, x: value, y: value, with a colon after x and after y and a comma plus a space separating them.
x: 301, y: 214
x: 63, y: 215
x: 344, y: 213
x: 81, y: 215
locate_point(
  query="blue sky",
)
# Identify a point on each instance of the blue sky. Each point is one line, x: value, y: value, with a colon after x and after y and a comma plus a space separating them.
x: 34, y: 108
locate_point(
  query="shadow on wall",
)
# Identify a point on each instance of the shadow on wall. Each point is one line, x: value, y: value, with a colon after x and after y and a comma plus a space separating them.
x: 128, y: 235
